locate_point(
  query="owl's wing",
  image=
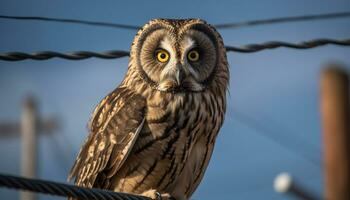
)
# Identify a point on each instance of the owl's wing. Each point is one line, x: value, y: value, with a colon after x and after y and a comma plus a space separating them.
x: 114, y: 128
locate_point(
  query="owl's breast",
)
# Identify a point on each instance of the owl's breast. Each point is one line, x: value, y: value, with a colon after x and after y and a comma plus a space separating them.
x: 170, y: 111
x: 173, y: 125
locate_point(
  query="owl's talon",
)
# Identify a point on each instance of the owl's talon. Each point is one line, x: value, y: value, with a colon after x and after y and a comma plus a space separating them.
x: 158, y: 196
x: 155, y: 195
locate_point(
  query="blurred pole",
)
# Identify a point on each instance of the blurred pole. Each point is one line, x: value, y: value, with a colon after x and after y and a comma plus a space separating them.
x: 336, y: 132
x: 284, y: 184
x: 29, y: 129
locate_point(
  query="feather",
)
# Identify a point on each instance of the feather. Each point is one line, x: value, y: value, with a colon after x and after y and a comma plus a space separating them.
x: 110, y: 139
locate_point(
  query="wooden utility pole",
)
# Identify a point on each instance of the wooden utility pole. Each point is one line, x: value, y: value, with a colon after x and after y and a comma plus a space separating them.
x: 29, y: 131
x: 29, y: 128
x: 336, y: 132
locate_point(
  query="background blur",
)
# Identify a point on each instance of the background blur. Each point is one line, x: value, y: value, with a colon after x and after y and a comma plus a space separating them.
x: 273, y: 120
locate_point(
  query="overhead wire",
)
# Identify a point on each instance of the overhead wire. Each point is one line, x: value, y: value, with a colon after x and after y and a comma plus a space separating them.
x: 267, y: 133
x: 72, y: 21
x: 279, y: 20
x: 250, y: 48
x: 230, y: 25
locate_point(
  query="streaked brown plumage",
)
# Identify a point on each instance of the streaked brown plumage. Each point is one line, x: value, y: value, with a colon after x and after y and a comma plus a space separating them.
x: 157, y: 130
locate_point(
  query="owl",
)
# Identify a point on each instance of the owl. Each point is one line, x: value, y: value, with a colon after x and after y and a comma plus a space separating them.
x: 155, y: 133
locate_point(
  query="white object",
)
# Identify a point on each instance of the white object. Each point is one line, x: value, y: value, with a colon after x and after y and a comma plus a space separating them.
x: 283, y: 183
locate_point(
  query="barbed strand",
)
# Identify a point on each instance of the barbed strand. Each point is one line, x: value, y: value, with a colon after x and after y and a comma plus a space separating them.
x: 219, y: 26
x: 79, y: 55
x: 65, y: 190
x: 250, y: 48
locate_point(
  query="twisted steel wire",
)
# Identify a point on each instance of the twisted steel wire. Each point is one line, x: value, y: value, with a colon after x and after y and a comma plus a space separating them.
x: 78, y: 55
x: 65, y: 190
x: 250, y: 48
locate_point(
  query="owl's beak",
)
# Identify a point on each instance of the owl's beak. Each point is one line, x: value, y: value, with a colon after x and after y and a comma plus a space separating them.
x: 180, y: 75
x: 173, y: 80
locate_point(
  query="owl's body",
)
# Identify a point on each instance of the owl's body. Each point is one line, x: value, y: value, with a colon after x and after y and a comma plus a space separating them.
x: 156, y: 132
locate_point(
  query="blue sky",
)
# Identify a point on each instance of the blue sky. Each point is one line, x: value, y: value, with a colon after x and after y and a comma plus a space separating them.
x: 277, y: 90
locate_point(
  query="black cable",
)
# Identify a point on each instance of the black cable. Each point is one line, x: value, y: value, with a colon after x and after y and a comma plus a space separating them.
x: 65, y: 190
x: 45, y: 55
x: 74, y: 21
x: 219, y: 26
x: 266, y: 132
x: 282, y: 20
x: 250, y: 48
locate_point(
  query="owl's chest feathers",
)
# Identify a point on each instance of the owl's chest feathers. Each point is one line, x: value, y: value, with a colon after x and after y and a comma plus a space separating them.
x: 177, y: 127
x: 175, y: 122
x: 182, y: 113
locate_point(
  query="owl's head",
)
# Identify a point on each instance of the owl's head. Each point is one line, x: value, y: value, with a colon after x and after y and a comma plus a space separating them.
x: 178, y: 55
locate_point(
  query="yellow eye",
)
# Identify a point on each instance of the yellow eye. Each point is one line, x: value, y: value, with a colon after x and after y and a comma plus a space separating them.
x: 162, y: 56
x: 193, y: 55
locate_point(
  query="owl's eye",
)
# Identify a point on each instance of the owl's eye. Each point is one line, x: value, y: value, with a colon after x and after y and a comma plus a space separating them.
x: 162, y: 55
x: 193, y: 55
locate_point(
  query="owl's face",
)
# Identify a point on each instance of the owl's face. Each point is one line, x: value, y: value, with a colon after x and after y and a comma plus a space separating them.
x: 176, y: 55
